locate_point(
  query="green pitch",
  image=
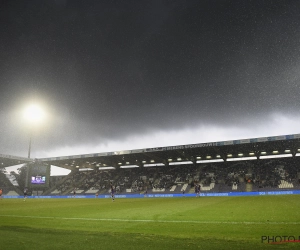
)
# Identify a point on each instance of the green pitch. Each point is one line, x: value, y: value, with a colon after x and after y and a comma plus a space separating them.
x: 149, y: 223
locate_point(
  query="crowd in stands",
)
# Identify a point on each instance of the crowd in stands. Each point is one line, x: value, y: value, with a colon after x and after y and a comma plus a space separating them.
x: 63, y: 185
x: 268, y: 174
x: 273, y: 172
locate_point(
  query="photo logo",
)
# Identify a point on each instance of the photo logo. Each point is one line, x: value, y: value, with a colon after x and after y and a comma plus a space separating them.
x: 280, y: 239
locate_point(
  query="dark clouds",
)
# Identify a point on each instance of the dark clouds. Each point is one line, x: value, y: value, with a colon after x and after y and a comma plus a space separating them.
x: 112, y: 69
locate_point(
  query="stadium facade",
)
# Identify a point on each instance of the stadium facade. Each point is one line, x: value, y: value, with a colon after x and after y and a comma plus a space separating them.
x: 246, y: 165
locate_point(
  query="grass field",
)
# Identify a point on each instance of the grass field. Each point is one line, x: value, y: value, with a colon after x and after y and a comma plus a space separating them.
x: 150, y: 223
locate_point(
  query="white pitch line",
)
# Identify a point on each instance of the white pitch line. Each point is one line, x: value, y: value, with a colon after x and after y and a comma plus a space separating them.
x: 158, y: 221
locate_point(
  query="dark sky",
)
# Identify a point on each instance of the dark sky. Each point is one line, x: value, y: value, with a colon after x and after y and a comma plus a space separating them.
x: 115, y: 75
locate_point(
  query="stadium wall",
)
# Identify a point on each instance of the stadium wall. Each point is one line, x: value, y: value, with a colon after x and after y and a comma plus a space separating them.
x: 161, y: 195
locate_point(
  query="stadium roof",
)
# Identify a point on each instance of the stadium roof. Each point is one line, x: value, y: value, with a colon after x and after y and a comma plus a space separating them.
x: 10, y: 160
x: 235, y: 150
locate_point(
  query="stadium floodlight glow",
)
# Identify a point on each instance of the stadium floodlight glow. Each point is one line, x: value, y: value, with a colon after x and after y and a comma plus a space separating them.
x: 276, y: 156
x: 129, y: 166
x: 275, y: 152
x: 242, y: 159
x: 180, y: 163
x: 154, y: 165
x: 85, y: 169
x: 34, y: 113
x: 213, y: 160
x: 106, y: 168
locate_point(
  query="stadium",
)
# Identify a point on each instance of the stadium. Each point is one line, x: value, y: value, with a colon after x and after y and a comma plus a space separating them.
x: 249, y: 197
x: 169, y: 124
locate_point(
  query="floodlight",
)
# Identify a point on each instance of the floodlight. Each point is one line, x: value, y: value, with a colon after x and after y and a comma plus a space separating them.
x: 34, y: 113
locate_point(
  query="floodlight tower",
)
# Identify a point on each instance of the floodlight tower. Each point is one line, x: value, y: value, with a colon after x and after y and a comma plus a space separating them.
x: 34, y: 115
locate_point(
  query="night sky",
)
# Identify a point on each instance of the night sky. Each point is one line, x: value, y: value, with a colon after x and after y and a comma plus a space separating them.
x: 114, y: 75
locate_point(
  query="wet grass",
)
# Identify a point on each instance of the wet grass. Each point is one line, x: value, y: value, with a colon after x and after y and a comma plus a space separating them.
x: 149, y: 223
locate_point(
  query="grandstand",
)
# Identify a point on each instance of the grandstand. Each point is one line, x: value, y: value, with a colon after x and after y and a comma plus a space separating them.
x: 257, y: 164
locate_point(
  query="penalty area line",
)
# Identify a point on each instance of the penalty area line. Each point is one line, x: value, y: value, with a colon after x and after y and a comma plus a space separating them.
x: 157, y: 221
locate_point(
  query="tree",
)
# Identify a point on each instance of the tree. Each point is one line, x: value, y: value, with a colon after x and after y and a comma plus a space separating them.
x: 20, y: 176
